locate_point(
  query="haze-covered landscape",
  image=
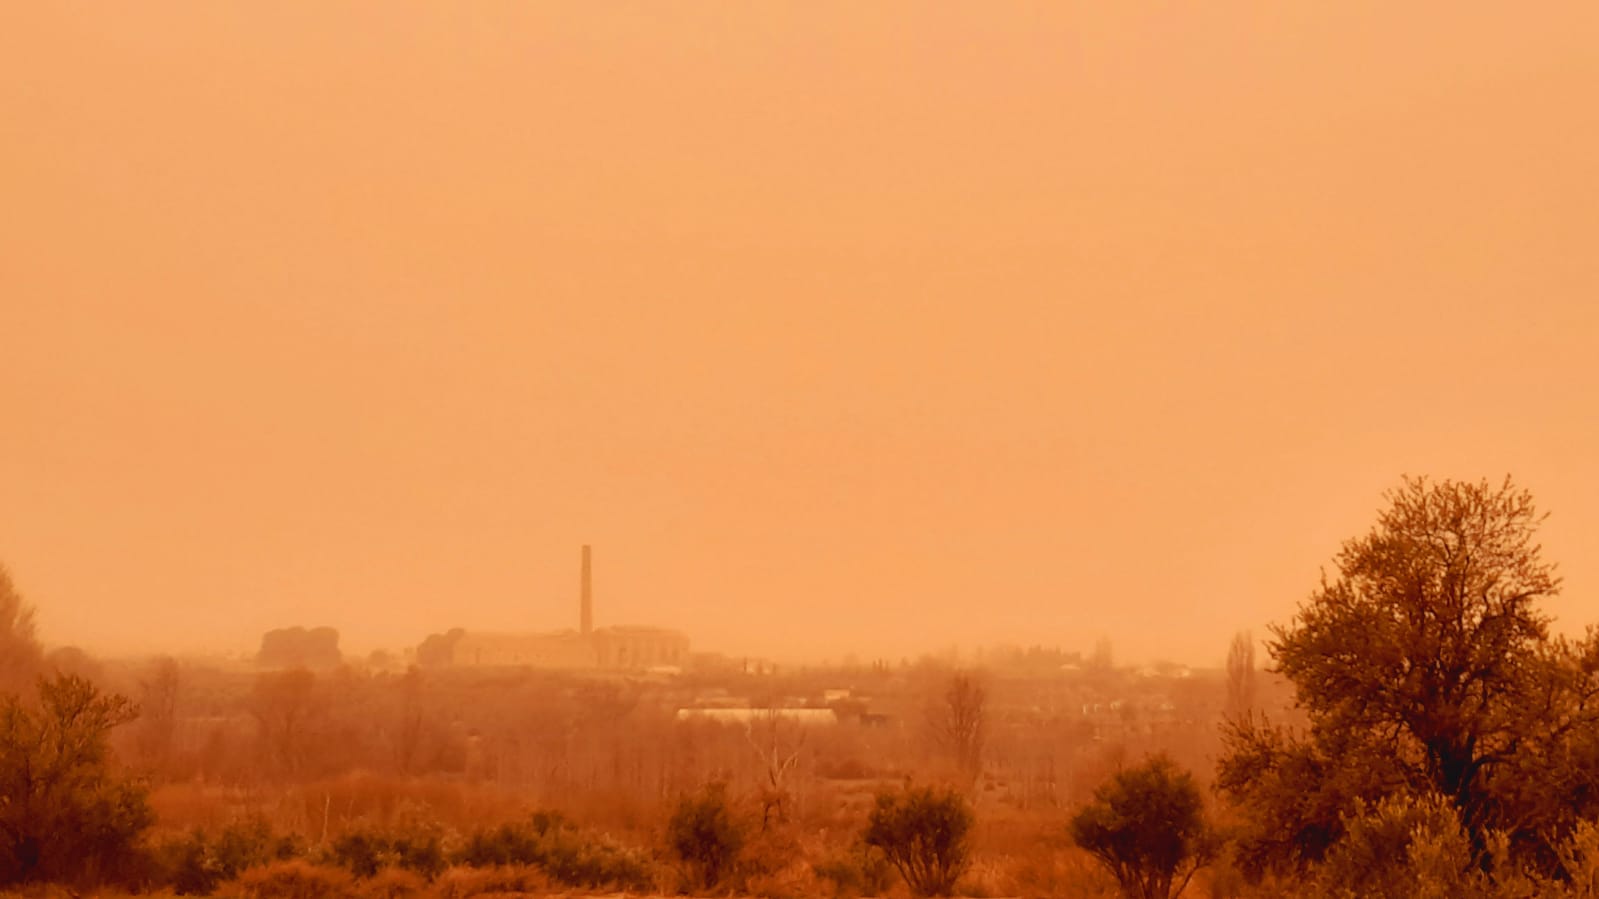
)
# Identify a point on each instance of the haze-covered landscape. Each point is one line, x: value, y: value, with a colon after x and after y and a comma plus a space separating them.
x: 799, y: 450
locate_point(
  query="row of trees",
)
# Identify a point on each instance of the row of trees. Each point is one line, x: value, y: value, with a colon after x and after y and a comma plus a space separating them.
x: 1449, y: 743
x: 1145, y: 826
x: 1440, y: 729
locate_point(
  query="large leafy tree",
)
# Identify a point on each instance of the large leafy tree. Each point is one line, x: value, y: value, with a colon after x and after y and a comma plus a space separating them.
x: 1423, y: 664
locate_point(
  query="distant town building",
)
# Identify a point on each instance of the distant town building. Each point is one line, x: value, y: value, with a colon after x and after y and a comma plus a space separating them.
x: 621, y: 648
x: 758, y: 715
x: 297, y: 647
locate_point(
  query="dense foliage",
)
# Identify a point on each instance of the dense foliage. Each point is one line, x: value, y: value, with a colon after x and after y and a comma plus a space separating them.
x: 924, y: 832
x: 196, y: 863
x: 703, y: 834
x: 1146, y: 827
x: 64, y: 814
x: 565, y: 853
x: 1425, y: 668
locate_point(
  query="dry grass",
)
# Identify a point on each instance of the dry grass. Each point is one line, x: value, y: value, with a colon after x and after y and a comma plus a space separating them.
x: 329, y: 806
x: 291, y: 880
x: 462, y: 883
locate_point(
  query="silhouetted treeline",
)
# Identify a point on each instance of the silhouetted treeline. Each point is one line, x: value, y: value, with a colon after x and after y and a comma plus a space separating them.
x: 1414, y: 731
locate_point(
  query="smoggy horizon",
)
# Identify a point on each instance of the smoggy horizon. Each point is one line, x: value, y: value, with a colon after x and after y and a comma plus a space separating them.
x: 835, y: 329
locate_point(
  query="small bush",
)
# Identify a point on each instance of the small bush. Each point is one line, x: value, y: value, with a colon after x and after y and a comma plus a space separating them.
x: 514, y: 843
x: 243, y: 844
x: 183, y: 864
x: 295, y: 879
x: 358, y: 852
x: 1146, y: 827
x: 462, y: 883
x: 860, y: 871
x: 575, y: 860
x: 703, y: 834
x: 1404, y: 846
x: 193, y: 864
x: 923, y: 833
x: 567, y: 855
x: 66, y: 814
x: 393, y: 883
x: 838, y: 871
x: 772, y: 865
x: 365, y: 852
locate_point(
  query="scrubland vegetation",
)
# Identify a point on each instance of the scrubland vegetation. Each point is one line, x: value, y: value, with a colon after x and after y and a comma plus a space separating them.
x: 1420, y: 734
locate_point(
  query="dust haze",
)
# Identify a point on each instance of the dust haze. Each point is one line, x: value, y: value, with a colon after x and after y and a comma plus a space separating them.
x: 383, y: 384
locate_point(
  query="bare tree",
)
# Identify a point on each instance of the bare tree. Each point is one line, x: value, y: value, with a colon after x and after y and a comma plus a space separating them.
x: 779, y: 748
x: 158, y: 713
x: 19, y: 647
x: 958, y: 721
x: 283, y: 705
x: 410, y: 726
x: 1240, y: 676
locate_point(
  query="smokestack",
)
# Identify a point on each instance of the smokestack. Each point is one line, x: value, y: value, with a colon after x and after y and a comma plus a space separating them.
x: 586, y: 612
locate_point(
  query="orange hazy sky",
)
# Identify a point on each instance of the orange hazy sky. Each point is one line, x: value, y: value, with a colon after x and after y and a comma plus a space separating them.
x: 833, y: 326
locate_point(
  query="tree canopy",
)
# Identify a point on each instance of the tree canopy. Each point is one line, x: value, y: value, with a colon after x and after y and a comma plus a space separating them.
x: 64, y: 815
x: 1146, y: 827
x: 1424, y: 665
x: 924, y: 833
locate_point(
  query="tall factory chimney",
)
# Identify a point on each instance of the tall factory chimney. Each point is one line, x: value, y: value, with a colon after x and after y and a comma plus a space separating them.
x: 586, y: 611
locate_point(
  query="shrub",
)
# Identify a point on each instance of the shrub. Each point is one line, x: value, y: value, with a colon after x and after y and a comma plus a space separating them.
x: 462, y: 883
x: 576, y: 860
x: 567, y: 855
x: 295, y: 879
x: 194, y: 864
x: 862, y: 870
x: 393, y: 883
x: 243, y: 844
x: 185, y: 865
x: 772, y: 864
x: 1403, y: 847
x: 365, y: 852
x: 1145, y: 827
x: 514, y: 843
x: 64, y: 815
x: 703, y: 834
x: 841, y: 873
x: 923, y: 833
x: 359, y: 852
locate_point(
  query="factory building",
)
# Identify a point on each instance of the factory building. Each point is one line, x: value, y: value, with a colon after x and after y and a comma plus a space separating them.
x: 620, y: 648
